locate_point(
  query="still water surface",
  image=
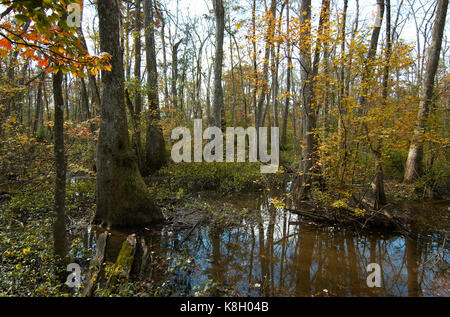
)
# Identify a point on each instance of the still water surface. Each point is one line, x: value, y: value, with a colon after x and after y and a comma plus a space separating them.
x: 277, y: 254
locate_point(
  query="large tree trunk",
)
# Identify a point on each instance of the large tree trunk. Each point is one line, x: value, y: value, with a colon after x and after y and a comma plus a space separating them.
x: 122, y: 196
x: 413, y: 168
x: 59, y: 225
x: 218, y: 105
x: 155, y: 149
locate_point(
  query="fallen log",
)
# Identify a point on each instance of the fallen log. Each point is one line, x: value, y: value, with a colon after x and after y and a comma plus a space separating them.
x: 96, y: 265
x: 372, y: 219
x: 119, y: 273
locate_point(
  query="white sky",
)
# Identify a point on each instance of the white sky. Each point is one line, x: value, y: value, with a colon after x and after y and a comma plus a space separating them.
x: 188, y: 10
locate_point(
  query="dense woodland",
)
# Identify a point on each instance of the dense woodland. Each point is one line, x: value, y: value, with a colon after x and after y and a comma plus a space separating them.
x: 358, y: 89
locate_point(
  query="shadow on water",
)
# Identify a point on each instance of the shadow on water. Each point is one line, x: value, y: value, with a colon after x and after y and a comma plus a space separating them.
x: 275, y: 253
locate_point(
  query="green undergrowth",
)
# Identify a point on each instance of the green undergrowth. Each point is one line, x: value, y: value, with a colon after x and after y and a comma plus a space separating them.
x: 28, y: 266
x: 225, y: 178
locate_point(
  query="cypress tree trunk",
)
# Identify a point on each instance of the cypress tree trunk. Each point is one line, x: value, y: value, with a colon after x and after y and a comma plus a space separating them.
x: 122, y: 196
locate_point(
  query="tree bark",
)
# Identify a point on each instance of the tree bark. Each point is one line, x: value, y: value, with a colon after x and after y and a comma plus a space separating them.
x: 59, y: 225
x: 260, y: 111
x: 155, y: 149
x: 218, y: 104
x: 175, y: 76
x: 122, y: 196
x: 414, y: 168
x: 310, y: 108
x: 288, y: 81
x: 137, y: 78
x: 371, y: 54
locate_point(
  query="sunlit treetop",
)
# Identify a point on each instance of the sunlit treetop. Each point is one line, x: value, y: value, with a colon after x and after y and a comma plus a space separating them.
x: 40, y: 30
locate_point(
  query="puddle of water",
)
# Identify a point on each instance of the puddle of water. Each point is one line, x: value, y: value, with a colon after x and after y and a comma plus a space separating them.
x: 276, y: 254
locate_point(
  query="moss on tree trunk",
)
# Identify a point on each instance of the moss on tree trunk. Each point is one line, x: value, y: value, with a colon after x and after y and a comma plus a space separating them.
x: 122, y: 196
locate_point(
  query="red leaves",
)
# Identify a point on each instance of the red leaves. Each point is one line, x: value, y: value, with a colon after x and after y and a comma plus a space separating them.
x: 43, y: 63
x: 4, y: 42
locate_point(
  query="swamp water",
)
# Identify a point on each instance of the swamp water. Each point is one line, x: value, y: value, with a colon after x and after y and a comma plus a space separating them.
x: 275, y: 253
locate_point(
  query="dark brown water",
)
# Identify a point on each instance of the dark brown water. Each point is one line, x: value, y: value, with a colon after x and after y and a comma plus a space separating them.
x: 274, y: 253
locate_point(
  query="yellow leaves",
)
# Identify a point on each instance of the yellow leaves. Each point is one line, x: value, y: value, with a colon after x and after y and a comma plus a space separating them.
x: 277, y: 203
x: 50, y: 124
x: 3, y: 53
x: 239, y: 25
x: 26, y: 251
x: 340, y: 204
x: 359, y: 212
x: 93, y: 71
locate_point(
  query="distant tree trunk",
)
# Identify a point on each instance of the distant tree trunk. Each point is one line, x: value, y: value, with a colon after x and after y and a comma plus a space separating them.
x: 93, y: 87
x: 275, y: 54
x: 288, y: 81
x: 218, y: 104
x: 208, y: 96
x: 59, y: 225
x: 137, y: 78
x: 260, y: 111
x: 371, y: 54
x: 122, y: 196
x: 233, y: 84
x: 39, y: 111
x: 163, y: 43
x: 413, y: 168
x: 309, y: 72
x: 175, y: 76
x: 85, y: 100
x: 255, y: 64
x: 155, y: 149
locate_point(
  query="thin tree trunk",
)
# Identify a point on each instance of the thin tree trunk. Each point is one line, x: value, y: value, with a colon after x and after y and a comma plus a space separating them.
x: 155, y: 149
x: 309, y: 99
x: 380, y: 196
x: 175, y: 76
x: 218, y: 104
x: 260, y: 111
x: 59, y: 225
x: 288, y: 80
x: 137, y: 78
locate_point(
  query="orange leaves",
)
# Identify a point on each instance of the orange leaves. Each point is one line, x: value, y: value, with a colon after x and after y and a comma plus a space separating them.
x: 4, y: 42
x: 43, y: 63
x: 53, y: 45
